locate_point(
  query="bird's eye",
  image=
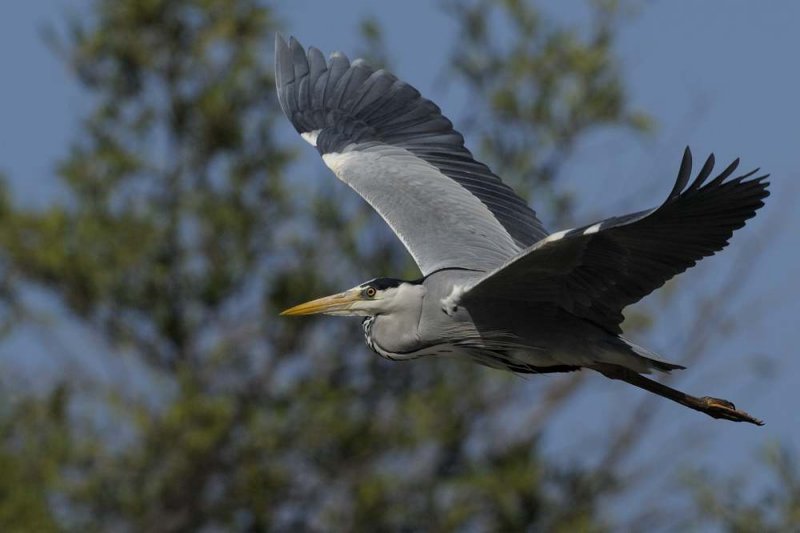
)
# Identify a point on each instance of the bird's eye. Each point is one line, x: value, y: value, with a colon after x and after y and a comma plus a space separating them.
x: 370, y: 292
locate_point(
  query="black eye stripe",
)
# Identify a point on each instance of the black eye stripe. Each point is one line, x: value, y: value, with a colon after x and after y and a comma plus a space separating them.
x: 381, y: 284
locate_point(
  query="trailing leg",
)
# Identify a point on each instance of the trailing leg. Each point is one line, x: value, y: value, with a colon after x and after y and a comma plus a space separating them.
x: 714, y: 407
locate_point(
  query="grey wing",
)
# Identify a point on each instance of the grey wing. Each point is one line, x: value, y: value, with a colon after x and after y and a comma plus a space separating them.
x: 396, y: 150
x: 597, y: 270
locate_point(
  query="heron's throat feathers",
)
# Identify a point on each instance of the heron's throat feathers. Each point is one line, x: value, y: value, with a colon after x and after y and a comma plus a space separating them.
x: 394, y: 329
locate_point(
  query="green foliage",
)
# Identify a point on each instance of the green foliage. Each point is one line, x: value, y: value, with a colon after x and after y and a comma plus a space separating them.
x: 34, y: 443
x: 173, y: 179
x: 546, y: 87
x: 730, y: 502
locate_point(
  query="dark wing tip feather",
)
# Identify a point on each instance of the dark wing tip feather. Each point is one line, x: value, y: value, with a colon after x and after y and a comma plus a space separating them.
x: 684, y: 173
x: 725, y: 173
x: 316, y: 62
x: 284, y: 71
x: 745, y: 176
x: 703, y: 175
x: 699, y: 184
x: 299, y: 59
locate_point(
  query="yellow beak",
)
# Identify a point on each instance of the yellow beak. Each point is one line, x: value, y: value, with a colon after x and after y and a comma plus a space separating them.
x: 338, y: 304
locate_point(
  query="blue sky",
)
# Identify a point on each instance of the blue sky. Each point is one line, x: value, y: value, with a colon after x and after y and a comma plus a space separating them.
x: 720, y: 77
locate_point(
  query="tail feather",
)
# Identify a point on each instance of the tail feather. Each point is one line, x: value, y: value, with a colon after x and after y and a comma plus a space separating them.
x: 655, y: 360
x: 622, y: 352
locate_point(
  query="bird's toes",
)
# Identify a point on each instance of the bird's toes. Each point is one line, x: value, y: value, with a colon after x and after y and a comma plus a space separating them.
x: 719, y: 408
x: 718, y: 403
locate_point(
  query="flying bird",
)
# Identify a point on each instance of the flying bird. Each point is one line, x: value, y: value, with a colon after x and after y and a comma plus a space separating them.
x: 496, y: 287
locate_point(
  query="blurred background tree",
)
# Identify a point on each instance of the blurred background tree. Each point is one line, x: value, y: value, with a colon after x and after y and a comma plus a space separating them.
x: 186, y: 225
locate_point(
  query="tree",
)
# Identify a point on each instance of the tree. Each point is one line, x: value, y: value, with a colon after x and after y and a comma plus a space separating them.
x: 730, y: 502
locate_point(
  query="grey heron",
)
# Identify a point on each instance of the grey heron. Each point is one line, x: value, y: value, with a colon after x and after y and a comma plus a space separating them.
x: 496, y: 287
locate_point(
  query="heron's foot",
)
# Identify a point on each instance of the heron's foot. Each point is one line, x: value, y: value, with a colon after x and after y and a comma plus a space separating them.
x: 719, y: 408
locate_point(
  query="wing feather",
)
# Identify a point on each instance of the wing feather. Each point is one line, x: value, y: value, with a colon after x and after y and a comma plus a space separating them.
x: 596, y: 271
x: 441, y: 223
x: 346, y: 107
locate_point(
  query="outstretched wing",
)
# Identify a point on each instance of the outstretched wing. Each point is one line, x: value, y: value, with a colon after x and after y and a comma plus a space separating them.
x: 397, y: 151
x: 596, y: 270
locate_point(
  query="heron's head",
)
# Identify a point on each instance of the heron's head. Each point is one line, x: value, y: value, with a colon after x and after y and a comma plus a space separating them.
x: 376, y: 297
